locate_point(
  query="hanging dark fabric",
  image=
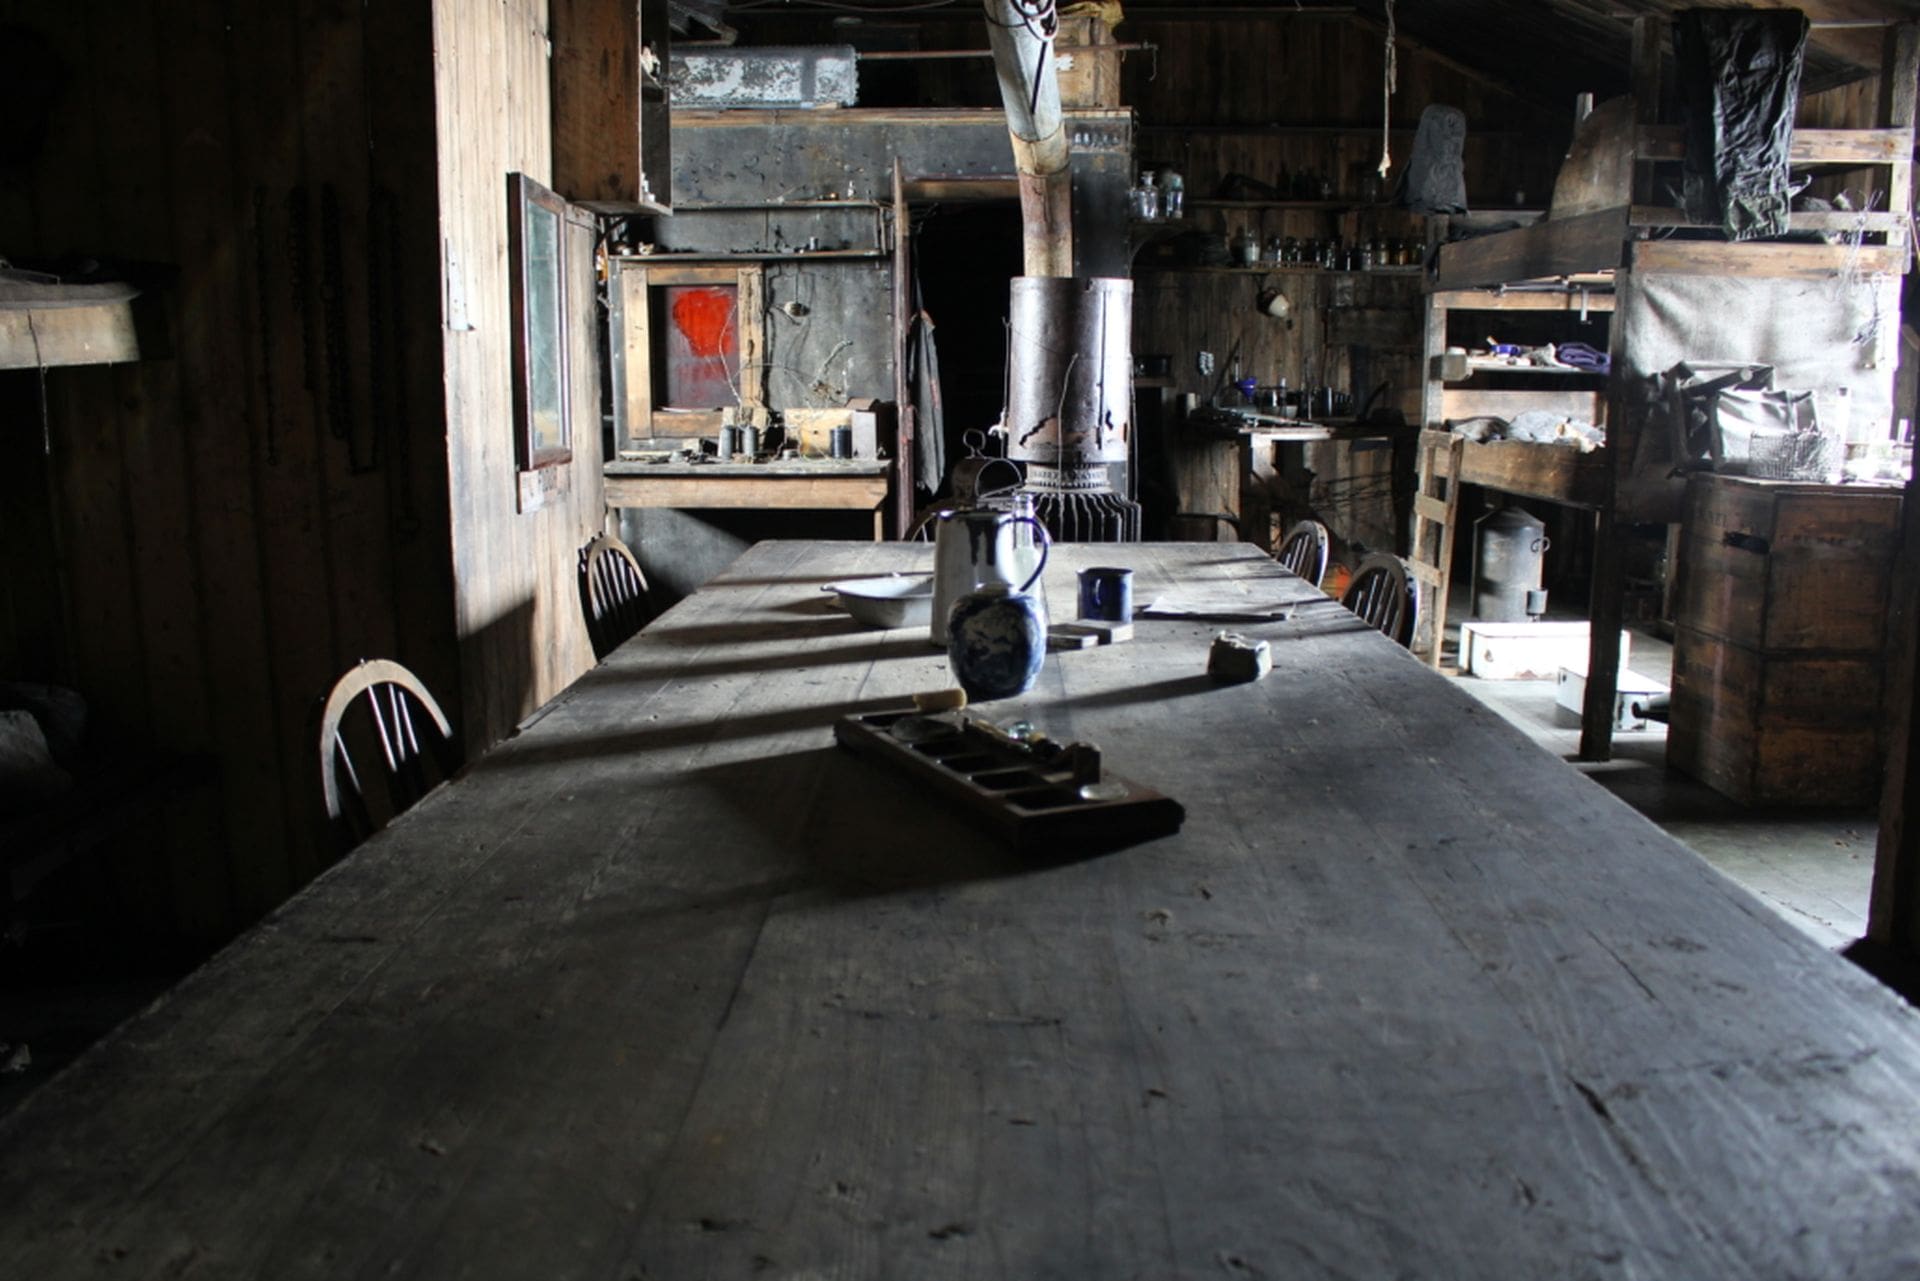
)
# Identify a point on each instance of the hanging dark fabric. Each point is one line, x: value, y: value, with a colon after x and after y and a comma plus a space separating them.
x: 923, y: 383
x: 1739, y: 73
x: 1435, y: 180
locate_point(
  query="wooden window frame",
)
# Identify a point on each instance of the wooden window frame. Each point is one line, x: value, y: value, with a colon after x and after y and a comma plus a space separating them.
x: 523, y: 194
x: 634, y: 324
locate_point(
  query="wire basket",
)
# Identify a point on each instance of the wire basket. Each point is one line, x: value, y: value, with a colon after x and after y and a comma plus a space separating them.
x: 1792, y: 455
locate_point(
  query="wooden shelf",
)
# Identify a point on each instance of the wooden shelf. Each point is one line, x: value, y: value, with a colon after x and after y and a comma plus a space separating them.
x: 799, y: 255
x: 1323, y: 206
x: 1279, y: 269
x: 1453, y: 368
x: 96, y: 334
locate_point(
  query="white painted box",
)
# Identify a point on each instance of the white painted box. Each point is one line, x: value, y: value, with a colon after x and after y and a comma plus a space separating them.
x: 1526, y: 651
x: 1571, y: 695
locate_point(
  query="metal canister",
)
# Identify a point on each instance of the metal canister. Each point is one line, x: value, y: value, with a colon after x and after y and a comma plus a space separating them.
x: 729, y: 441
x: 749, y: 441
x: 840, y: 442
x: 1510, y: 547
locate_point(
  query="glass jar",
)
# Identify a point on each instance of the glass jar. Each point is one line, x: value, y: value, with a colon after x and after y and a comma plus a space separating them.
x: 1246, y: 248
x: 1173, y: 194
x: 1146, y: 196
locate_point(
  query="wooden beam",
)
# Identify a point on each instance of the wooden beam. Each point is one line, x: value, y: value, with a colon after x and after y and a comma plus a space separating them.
x: 1840, y: 220
x: 1649, y: 65
x: 1750, y: 258
x: 1557, y: 247
x: 1809, y: 146
x: 1573, y: 299
x: 101, y: 334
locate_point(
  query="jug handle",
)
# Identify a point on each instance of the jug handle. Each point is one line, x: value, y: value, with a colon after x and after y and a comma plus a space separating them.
x: 1045, y: 543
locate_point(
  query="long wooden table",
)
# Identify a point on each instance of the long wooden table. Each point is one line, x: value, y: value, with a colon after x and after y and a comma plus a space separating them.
x: 668, y: 986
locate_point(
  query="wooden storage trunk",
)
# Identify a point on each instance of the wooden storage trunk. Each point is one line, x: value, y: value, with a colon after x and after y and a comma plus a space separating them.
x: 1779, y: 657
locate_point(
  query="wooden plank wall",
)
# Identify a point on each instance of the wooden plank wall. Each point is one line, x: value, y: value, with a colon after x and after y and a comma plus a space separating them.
x: 517, y: 612
x: 231, y: 525
x: 1299, y: 92
x: 1244, y: 75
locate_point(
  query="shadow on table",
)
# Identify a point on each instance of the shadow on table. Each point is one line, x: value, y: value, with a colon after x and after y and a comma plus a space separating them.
x: 798, y: 621
x: 1152, y: 692
x: 865, y: 830
x: 549, y: 748
x: 868, y: 646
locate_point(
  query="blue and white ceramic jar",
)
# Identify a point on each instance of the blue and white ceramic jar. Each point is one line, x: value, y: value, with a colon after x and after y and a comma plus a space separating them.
x: 996, y: 641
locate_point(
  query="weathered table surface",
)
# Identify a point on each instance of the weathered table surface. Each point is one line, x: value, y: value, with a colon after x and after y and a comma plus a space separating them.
x: 670, y: 987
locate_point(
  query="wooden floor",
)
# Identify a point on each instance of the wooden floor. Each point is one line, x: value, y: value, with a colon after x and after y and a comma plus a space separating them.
x: 670, y: 987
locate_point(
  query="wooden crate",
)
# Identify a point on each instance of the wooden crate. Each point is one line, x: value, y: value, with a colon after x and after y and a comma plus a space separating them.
x: 1776, y: 730
x: 1776, y: 565
x: 1090, y: 78
x: 1779, y: 658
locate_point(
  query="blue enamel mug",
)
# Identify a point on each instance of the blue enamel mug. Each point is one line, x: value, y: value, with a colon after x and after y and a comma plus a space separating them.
x: 1106, y: 594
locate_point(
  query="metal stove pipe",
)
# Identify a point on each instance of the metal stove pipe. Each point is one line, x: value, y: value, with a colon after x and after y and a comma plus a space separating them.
x: 1021, y: 33
x: 1069, y: 413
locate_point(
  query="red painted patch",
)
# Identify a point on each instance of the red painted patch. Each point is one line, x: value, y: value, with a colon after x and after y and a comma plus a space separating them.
x: 705, y: 316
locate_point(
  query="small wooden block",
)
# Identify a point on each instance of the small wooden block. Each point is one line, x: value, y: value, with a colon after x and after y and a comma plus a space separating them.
x: 1103, y: 633
x: 1059, y: 638
x: 1236, y: 659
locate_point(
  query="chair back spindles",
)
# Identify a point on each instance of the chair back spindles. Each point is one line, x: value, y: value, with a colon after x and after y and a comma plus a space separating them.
x: 1304, y: 551
x: 390, y: 695
x: 1384, y: 595
x: 614, y: 594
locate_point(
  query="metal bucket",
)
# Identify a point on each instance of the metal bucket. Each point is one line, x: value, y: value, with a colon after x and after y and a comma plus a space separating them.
x: 1509, y: 554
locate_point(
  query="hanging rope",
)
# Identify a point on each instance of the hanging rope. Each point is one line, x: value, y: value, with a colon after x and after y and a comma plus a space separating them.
x: 1389, y: 81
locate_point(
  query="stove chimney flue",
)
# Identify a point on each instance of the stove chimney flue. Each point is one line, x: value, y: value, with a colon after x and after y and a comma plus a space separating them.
x: 1069, y: 413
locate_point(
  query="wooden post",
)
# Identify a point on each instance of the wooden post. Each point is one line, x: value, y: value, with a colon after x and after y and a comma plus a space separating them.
x: 1649, y: 48
x: 1893, y: 914
x: 1606, y: 608
x: 905, y: 424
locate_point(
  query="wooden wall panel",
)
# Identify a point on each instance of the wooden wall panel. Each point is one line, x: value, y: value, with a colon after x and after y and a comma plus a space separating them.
x: 227, y: 538
x: 1273, y: 71
x: 1293, y: 93
x: 517, y: 615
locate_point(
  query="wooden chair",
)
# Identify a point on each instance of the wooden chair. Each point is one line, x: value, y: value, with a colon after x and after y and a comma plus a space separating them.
x: 614, y: 594
x: 1384, y: 595
x: 394, y: 700
x: 1304, y: 551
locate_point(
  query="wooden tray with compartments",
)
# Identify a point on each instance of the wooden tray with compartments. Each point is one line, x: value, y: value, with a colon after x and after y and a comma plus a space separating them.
x: 1040, y: 796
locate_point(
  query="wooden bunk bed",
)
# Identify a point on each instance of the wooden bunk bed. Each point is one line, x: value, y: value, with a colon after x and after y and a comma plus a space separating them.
x: 1610, y: 248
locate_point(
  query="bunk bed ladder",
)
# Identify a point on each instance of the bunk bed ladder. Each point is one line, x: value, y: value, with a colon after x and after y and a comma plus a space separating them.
x: 1436, y: 504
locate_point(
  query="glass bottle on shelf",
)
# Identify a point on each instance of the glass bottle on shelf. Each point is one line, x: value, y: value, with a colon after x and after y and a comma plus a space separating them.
x: 1146, y: 196
x: 1246, y: 248
x: 1173, y: 194
x: 1290, y: 251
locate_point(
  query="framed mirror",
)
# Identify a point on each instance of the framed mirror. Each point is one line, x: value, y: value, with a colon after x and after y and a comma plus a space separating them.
x: 536, y: 252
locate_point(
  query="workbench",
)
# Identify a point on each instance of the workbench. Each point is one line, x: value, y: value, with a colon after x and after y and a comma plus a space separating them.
x: 806, y: 483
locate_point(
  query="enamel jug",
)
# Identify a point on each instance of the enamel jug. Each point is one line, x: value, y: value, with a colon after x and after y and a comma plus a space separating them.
x: 996, y: 641
x: 976, y: 547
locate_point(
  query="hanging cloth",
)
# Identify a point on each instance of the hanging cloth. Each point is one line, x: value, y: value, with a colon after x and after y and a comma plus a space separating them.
x: 1435, y: 179
x: 1739, y: 72
x: 923, y: 384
